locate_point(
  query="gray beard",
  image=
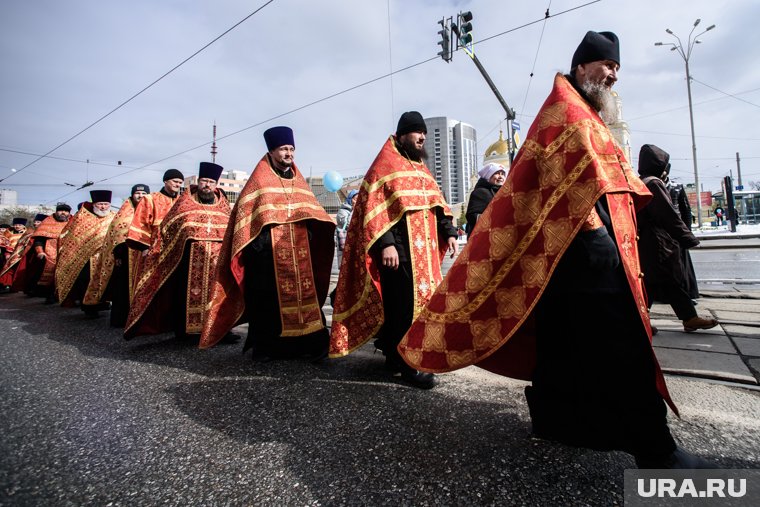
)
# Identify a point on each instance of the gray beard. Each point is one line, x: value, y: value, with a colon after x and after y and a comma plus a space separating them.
x: 100, y: 213
x: 602, y: 99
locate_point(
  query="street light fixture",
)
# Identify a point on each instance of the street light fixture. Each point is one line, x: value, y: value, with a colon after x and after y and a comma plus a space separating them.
x: 686, y: 54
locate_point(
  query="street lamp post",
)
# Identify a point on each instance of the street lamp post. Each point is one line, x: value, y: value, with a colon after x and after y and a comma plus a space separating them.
x: 686, y: 54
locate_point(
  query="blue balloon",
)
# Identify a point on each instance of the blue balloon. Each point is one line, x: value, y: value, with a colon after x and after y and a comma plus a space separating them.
x: 333, y: 181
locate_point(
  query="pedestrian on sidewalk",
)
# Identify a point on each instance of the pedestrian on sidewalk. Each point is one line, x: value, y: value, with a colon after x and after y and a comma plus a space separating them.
x: 548, y: 288
x: 662, y: 237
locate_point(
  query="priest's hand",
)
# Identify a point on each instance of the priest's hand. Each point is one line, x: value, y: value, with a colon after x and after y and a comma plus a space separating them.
x: 390, y: 257
x: 145, y: 252
x: 453, y: 246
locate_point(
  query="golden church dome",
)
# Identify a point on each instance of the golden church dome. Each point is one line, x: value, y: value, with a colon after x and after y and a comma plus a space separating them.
x: 498, y: 152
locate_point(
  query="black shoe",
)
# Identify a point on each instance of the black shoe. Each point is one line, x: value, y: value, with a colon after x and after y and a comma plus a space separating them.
x: 230, y: 339
x: 5, y: 289
x: 392, y: 364
x: 318, y: 356
x: 261, y: 357
x: 419, y: 379
x: 678, y: 459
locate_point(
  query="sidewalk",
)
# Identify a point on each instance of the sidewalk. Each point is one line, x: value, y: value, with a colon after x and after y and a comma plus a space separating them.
x: 728, y: 352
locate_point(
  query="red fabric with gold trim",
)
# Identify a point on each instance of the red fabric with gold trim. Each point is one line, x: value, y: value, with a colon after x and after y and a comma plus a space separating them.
x: 51, y: 230
x: 80, y: 242
x: 201, y: 226
x: 393, y: 188
x: 5, y: 242
x: 14, y: 270
x: 266, y: 199
x: 482, y: 311
x: 300, y: 311
x: 147, y: 218
x: 103, y: 268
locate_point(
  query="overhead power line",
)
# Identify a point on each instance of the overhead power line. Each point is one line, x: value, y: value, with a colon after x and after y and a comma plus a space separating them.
x: 337, y: 94
x: 724, y: 93
x: 696, y: 104
x: 138, y: 93
x: 704, y: 137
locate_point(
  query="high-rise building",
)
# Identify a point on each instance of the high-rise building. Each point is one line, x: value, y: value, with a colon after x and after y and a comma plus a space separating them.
x: 452, y: 156
x: 8, y: 197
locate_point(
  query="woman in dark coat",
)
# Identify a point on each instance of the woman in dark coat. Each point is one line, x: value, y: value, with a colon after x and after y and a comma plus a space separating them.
x: 662, y: 235
x: 492, y: 177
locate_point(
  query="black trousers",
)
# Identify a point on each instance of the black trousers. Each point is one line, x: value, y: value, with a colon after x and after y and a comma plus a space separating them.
x: 398, y: 307
x: 675, y: 294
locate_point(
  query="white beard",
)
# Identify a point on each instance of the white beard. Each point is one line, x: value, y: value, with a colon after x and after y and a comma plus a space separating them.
x: 100, y: 213
x: 602, y: 100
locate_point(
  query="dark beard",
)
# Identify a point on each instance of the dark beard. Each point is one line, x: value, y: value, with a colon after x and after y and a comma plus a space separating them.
x: 206, y: 198
x: 59, y: 218
x: 411, y: 151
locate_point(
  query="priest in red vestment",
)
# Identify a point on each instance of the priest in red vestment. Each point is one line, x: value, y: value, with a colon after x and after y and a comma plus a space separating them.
x: 7, y: 264
x: 549, y: 286
x: 79, y: 250
x: 400, y: 231
x: 45, y: 246
x: 174, y: 287
x: 149, y: 213
x: 114, y: 272
x: 274, y: 267
x: 21, y: 262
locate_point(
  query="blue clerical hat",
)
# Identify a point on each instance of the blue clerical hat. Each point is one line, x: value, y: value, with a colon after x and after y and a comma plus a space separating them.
x: 279, y: 136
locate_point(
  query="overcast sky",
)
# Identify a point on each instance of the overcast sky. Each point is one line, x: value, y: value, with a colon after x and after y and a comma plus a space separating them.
x: 67, y: 63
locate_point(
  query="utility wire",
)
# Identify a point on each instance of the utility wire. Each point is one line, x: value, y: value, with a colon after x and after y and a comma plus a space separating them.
x: 724, y: 93
x: 262, y: 122
x: 332, y: 96
x: 535, y: 59
x: 703, y: 137
x: 536, y: 21
x: 138, y: 93
x: 696, y: 104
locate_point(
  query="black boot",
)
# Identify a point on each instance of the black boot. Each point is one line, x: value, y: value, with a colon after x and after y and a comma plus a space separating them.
x: 419, y: 379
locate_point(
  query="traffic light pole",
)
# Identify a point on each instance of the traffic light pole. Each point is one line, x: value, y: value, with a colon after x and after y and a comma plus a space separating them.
x: 510, y: 112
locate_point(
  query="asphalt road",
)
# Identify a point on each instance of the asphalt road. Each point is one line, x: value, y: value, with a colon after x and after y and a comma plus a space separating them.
x: 89, y: 419
x: 721, y: 265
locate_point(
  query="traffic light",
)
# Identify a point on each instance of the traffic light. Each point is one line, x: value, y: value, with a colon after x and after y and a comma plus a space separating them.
x: 445, y: 42
x: 465, y: 27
